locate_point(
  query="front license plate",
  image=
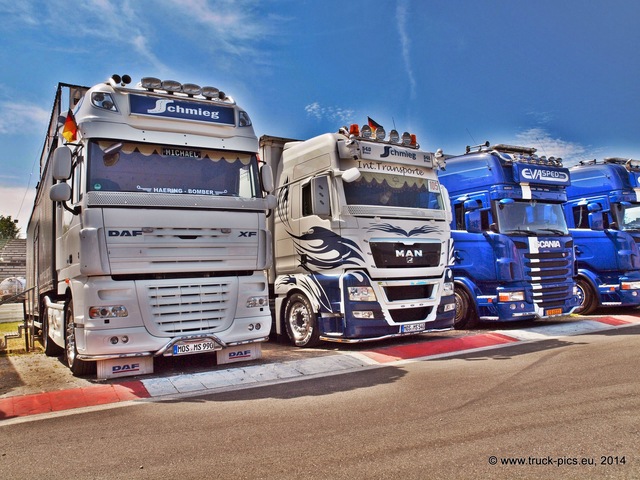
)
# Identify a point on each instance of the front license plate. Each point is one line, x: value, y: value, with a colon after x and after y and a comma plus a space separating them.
x: 554, y: 311
x: 416, y: 327
x: 195, y: 347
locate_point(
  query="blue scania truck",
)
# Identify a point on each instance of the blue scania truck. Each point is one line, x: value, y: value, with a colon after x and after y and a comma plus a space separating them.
x: 513, y: 255
x: 603, y: 215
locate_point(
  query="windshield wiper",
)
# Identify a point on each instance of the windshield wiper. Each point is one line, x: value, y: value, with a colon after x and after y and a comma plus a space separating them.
x: 522, y: 231
x: 553, y: 230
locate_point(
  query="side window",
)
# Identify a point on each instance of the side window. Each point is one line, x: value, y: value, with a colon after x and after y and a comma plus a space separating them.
x: 306, y: 200
x: 580, y: 216
x: 76, y: 182
x: 458, y: 211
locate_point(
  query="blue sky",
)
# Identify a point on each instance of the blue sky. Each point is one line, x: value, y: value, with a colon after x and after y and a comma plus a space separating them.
x: 561, y: 76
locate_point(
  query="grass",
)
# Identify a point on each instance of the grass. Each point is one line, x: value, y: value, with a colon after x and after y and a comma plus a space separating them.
x: 9, y: 327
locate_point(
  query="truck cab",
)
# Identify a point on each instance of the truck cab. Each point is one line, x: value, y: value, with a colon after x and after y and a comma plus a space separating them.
x: 603, y: 215
x: 513, y: 255
x: 361, y: 237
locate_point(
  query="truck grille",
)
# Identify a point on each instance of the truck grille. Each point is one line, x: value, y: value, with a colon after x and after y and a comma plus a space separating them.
x: 190, y: 308
x: 548, y: 273
x: 403, y: 255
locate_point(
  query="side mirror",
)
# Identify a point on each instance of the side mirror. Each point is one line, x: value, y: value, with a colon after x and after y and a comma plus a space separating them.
x: 471, y: 205
x: 351, y: 175
x: 60, y: 192
x: 266, y: 176
x: 596, y: 221
x: 62, y: 162
x: 272, y: 201
x: 473, y: 221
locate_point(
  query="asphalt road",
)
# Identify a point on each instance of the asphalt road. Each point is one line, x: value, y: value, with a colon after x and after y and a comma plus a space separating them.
x: 562, y: 408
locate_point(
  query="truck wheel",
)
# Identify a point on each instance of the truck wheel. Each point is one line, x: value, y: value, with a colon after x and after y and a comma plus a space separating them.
x: 301, y: 321
x: 587, y: 297
x: 51, y: 349
x: 465, y: 312
x: 78, y: 367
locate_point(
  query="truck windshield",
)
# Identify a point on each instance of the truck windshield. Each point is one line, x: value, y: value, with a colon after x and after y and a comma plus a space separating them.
x: 631, y: 217
x: 138, y: 167
x: 531, y: 218
x: 394, y: 191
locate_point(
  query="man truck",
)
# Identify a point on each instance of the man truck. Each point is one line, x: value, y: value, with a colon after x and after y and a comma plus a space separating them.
x: 361, y: 238
x: 513, y: 255
x: 148, y: 235
x: 603, y: 215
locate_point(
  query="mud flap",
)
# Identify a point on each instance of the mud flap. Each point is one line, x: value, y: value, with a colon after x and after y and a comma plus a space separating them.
x: 124, y: 367
x: 240, y: 353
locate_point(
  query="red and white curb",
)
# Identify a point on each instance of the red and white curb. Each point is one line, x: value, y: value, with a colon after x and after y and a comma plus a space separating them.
x: 207, y: 382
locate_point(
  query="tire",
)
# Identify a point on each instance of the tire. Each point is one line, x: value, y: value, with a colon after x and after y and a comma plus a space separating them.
x: 466, y: 316
x: 587, y: 295
x: 301, y: 321
x: 51, y: 349
x: 78, y: 367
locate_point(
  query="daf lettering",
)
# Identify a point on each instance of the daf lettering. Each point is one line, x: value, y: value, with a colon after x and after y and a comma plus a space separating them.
x: 127, y: 367
x: 240, y: 354
x: 125, y: 233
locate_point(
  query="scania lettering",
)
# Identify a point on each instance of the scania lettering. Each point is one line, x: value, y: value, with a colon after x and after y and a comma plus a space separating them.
x: 148, y: 235
x: 361, y: 238
x: 603, y: 215
x: 513, y: 256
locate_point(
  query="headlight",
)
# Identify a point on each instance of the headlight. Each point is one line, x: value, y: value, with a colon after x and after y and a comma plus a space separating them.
x: 366, y: 314
x: 260, y: 301
x: 103, y: 100
x: 630, y: 285
x: 361, y: 294
x: 447, y: 289
x: 511, y: 296
x: 110, y: 311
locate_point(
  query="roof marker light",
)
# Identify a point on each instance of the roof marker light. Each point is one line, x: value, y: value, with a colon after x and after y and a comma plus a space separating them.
x: 191, y: 89
x: 406, y: 139
x: 366, y: 131
x: 210, y: 92
x: 171, y: 86
x: 394, y: 136
x: 151, y: 83
x: 380, y: 133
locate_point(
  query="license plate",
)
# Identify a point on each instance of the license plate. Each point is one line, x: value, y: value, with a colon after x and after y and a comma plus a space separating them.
x: 416, y: 327
x: 554, y: 311
x: 186, y: 348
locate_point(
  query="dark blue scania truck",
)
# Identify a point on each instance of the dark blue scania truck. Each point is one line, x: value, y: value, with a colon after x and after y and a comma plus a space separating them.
x: 603, y: 215
x: 513, y: 255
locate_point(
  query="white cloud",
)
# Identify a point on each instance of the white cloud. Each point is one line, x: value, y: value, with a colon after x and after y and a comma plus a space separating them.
x: 342, y: 115
x: 402, y: 12
x: 571, y: 153
x: 22, y: 118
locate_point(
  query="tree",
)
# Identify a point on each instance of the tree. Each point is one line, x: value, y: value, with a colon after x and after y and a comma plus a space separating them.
x: 8, y: 227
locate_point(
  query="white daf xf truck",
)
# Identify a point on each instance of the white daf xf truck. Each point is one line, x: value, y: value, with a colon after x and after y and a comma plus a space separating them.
x: 148, y: 235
